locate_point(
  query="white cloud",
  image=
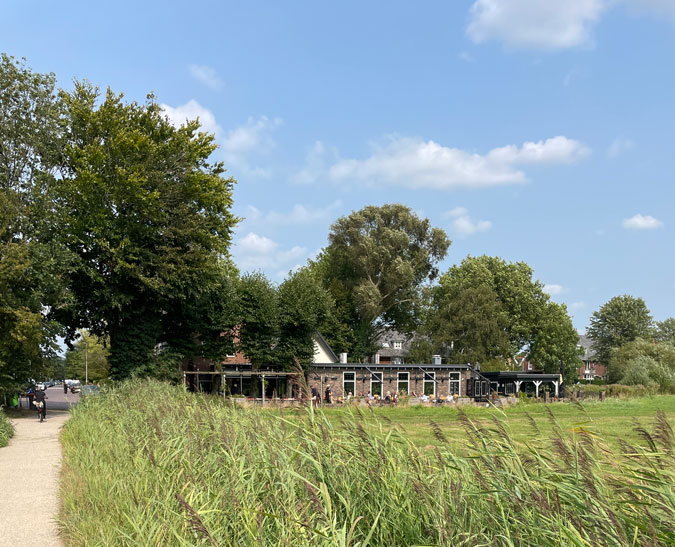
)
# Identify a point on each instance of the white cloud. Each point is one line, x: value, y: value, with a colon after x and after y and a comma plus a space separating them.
x: 206, y: 75
x: 253, y: 243
x: 640, y: 222
x: 415, y: 163
x: 257, y: 252
x: 463, y: 225
x: 541, y: 24
x: 192, y: 110
x: 253, y: 138
x: 618, y: 147
x: 552, y: 289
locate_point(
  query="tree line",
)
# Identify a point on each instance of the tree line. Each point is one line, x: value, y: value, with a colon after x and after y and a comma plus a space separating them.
x: 115, y: 221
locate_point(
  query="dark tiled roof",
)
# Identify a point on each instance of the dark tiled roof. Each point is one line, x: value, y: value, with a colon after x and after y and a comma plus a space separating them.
x: 389, y: 337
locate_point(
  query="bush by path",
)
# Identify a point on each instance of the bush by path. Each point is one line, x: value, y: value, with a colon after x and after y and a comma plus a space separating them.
x: 6, y: 429
x: 149, y: 464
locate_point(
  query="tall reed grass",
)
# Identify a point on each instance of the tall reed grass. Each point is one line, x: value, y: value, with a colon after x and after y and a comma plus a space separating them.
x: 148, y: 464
x: 6, y: 429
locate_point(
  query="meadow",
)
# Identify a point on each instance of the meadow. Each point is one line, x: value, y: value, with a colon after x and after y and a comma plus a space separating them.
x: 148, y: 464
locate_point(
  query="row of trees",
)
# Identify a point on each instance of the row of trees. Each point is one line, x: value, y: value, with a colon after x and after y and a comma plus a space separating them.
x: 116, y: 221
x: 635, y: 348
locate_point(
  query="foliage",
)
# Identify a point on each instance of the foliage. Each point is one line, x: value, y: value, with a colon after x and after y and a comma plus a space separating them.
x: 665, y: 330
x: 421, y: 350
x: 375, y: 264
x: 147, y: 215
x: 259, y: 320
x: 30, y: 266
x: 469, y: 325
x: 619, y: 321
x: 150, y: 464
x: 87, y: 359
x: 303, y: 306
x: 644, y: 362
x: 6, y: 429
x: 487, y: 309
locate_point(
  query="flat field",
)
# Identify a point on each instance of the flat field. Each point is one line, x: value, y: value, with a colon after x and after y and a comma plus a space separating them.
x: 612, y: 419
x: 149, y: 464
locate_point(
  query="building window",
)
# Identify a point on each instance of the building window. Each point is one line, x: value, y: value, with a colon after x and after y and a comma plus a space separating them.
x: 397, y: 360
x: 398, y: 345
x: 529, y: 366
x: 385, y: 344
x: 348, y: 383
x: 403, y: 385
x: 376, y: 383
x: 454, y: 383
x: 430, y: 384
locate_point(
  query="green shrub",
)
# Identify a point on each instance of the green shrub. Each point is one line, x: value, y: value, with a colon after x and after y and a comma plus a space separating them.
x: 149, y: 464
x: 6, y: 429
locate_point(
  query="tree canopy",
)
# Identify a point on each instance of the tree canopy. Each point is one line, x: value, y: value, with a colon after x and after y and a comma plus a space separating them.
x: 619, y: 321
x: 375, y: 265
x: 145, y: 212
x: 487, y: 309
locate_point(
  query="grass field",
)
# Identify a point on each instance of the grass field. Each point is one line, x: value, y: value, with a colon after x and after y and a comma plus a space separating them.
x: 612, y: 419
x: 149, y: 464
x: 6, y: 429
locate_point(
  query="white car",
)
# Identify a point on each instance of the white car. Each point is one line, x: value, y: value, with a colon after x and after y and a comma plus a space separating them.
x: 41, y: 387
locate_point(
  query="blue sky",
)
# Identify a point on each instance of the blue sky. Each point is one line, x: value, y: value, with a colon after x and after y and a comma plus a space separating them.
x: 525, y: 129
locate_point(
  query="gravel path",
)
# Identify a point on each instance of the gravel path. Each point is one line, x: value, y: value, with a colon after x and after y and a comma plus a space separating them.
x: 29, y: 475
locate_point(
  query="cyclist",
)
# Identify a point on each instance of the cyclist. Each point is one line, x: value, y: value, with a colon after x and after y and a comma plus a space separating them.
x: 40, y: 397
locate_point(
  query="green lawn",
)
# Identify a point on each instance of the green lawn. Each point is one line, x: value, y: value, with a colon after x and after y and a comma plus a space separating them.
x: 611, y: 419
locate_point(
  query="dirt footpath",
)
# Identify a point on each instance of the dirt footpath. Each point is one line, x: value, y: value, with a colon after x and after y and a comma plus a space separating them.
x: 29, y: 475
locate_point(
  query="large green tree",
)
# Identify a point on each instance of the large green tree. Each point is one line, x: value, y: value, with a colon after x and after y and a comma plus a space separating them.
x: 30, y: 267
x: 665, y: 330
x: 645, y: 362
x: 487, y: 308
x: 88, y: 360
x: 619, y: 321
x: 146, y: 213
x: 375, y: 265
x: 303, y: 308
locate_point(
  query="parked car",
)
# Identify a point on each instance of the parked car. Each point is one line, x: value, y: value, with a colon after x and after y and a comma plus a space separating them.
x: 41, y: 386
x: 75, y: 388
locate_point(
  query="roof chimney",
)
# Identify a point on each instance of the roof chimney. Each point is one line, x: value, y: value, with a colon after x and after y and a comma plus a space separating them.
x: 343, y: 358
x: 435, y: 359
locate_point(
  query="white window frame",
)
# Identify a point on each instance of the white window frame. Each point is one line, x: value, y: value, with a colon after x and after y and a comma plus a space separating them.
x: 407, y: 381
x: 457, y: 382
x: 426, y: 379
x: 380, y: 375
x: 344, y: 391
x: 398, y: 344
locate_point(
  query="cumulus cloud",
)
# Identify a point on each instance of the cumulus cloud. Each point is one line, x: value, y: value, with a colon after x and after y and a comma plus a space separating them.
x: 641, y: 222
x: 206, y: 75
x: 534, y: 23
x: 257, y: 252
x: 254, y: 243
x: 618, y: 147
x: 253, y: 138
x: 192, y: 110
x: 552, y: 289
x: 415, y: 163
x: 463, y: 225
x: 316, y: 161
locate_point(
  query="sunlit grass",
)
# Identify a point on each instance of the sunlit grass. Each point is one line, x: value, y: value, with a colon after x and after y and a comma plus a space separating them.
x: 149, y: 464
x: 6, y: 429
